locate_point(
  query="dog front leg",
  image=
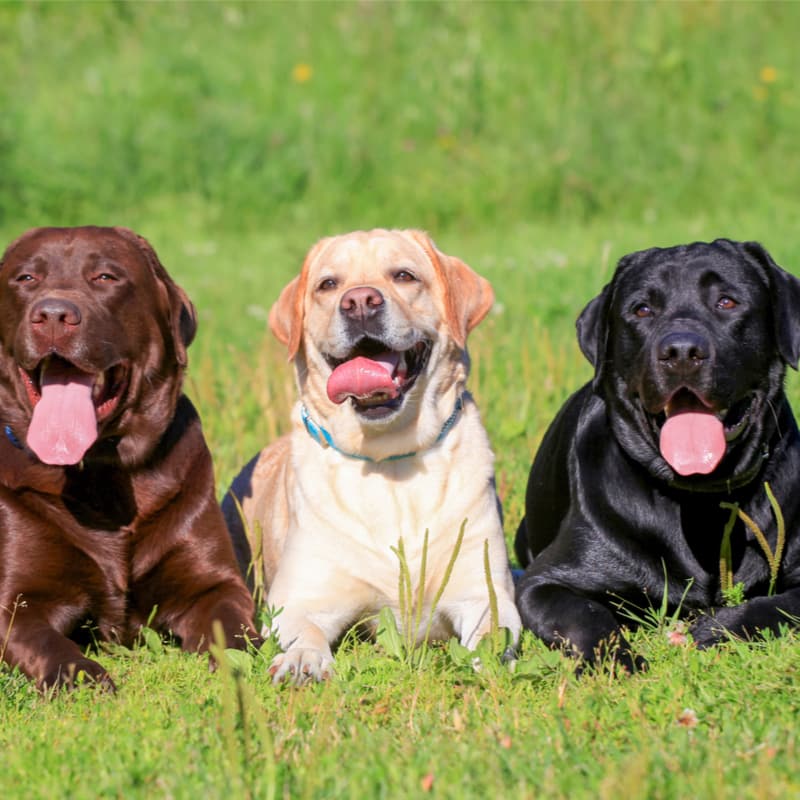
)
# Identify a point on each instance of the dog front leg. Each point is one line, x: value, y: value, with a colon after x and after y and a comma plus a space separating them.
x: 230, y: 606
x: 305, y: 638
x: 586, y: 628
x: 748, y: 620
x: 472, y: 619
x: 45, y: 655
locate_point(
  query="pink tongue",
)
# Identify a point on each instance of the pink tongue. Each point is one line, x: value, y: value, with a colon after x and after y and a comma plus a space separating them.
x: 693, y: 442
x: 64, y: 425
x: 364, y: 377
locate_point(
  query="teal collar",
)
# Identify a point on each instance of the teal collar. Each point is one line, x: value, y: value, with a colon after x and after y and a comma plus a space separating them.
x: 323, y: 437
x: 12, y: 438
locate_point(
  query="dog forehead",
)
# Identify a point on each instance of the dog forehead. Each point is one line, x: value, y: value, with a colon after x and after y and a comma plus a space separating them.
x: 72, y: 248
x: 364, y: 253
x: 686, y: 268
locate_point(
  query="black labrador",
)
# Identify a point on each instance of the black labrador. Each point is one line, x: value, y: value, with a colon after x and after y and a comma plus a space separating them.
x: 654, y: 476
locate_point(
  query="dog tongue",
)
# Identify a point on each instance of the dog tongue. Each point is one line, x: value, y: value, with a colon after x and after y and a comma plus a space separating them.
x: 364, y: 377
x: 693, y: 442
x: 64, y: 425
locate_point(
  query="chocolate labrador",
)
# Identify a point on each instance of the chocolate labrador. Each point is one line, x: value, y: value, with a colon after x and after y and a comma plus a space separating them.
x: 647, y: 482
x: 106, y: 485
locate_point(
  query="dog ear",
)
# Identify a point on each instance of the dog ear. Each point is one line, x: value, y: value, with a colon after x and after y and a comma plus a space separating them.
x: 286, y: 316
x: 467, y: 295
x: 593, y: 322
x: 592, y: 326
x: 182, y: 313
x: 784, y: 291
x: 183, y: 321
x: 287, y: 312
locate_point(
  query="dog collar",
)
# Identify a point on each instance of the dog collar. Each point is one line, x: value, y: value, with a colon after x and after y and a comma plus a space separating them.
x: 323, y: 437
x: 11, y: 437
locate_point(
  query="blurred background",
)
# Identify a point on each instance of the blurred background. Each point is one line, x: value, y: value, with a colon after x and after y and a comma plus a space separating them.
x: 320, y: 116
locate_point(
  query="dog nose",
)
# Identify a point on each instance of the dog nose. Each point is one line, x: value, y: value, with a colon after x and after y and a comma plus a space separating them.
x: 362, y: 302
x: 682, y: 350
x: 53, y: 311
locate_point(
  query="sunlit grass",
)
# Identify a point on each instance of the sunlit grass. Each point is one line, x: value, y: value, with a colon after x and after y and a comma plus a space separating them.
x: 323, y: 115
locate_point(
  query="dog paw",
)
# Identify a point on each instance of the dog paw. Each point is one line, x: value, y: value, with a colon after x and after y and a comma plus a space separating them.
x: 617, y: 660
x: 299, y: 666
x: 629, y: 663
x: 82, y: 672
x: 710, y: 629
x: 246, y: 639
x: 747, y: 621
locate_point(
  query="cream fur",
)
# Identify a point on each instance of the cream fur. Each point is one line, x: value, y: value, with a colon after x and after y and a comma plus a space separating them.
x: 330, y: 522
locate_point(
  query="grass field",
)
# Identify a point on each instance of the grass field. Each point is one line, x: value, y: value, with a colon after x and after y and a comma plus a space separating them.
x: 538, y: 142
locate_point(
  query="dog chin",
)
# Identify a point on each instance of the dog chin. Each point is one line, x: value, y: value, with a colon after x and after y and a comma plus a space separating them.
x: 377, y: 413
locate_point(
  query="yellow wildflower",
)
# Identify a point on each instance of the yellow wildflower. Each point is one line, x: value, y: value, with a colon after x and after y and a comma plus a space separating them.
x: 301, y: 73
x: 768, y: 74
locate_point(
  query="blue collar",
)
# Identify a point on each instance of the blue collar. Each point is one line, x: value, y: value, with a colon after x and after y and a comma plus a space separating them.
x: 12, y: 438
x: 323, y: 437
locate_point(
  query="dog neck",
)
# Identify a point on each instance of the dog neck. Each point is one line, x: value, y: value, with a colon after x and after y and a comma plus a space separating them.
x: 324, y: 438
x: 12, y: 438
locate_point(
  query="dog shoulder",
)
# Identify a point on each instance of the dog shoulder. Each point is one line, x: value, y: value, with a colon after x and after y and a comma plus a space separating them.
x: 256, y: 485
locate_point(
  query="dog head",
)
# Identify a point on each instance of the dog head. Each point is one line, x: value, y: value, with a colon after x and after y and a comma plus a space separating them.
x: 376, y: 324
x: 690, y: 346
x: 94, y: 336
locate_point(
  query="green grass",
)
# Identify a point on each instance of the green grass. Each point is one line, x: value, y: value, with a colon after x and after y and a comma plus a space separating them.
x: 714, y: 724
x: 439, y: 115
x: 539, y: 142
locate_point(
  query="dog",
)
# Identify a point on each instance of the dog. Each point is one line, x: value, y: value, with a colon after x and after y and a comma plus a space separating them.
x: 386, y: 444
x: 684, y: 424
x: 106, y: 485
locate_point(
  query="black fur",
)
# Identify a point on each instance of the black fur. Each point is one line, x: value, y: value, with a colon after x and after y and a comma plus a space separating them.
x: 607, y: 518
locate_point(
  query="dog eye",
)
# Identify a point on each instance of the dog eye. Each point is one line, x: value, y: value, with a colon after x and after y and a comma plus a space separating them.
x: 105, y: 277
x: 726, y: 303
x: 404, y: 276
x: 327, y: 285
x: 24, y: 278
x: 643, y: 310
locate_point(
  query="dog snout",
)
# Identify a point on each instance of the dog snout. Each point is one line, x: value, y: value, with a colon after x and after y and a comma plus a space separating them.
x: 55, y: 314
x: 361, y: 303
x: 683, y: 351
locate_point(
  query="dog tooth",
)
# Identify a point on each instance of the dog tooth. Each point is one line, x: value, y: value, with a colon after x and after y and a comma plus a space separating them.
x: 99, y: 384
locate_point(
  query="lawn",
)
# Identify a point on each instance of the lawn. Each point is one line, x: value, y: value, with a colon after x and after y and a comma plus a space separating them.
x: 539, y: 142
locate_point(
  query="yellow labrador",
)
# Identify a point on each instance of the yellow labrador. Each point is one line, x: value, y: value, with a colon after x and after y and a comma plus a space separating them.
x: 386, y: 443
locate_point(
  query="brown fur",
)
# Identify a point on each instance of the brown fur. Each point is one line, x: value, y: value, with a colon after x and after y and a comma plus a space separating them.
x: 133, y: 535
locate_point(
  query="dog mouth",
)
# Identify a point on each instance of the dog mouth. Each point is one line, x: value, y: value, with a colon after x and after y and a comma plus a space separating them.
x: 694, y: 435
x: 375, y: 378
x: 67, y: 404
